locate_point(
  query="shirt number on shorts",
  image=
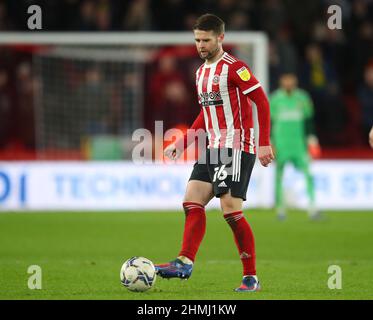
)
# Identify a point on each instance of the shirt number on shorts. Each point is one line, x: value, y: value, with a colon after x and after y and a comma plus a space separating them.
x: 220, y: 173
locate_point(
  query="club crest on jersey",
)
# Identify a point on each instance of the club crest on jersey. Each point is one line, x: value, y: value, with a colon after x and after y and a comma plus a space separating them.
x: 216, y: 79
x: 244, y: 74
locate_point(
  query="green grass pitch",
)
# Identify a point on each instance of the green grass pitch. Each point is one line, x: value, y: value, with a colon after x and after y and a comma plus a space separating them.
x: 81, y: 254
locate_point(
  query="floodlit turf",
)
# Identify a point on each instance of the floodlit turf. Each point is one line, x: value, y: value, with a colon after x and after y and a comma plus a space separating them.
x: 81, y: 254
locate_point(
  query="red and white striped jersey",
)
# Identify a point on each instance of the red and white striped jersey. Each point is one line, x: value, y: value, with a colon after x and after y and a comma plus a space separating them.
x: 222, y: 87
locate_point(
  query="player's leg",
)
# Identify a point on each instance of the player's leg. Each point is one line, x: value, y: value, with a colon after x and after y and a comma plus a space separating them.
x: 279, y: 194
x: 303, y: 164
x: 232, y: 194
x: 198, y: 194
x: 244, y: 239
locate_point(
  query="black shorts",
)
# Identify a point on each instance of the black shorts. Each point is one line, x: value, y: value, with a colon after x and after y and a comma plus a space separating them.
x: 226, y: 169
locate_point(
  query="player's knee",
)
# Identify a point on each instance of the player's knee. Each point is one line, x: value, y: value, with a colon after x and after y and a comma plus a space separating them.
x: 197, y: 207
x: 194, y: 197
x: 198, y: 192
x: 196, y: 200
x: 228, y: 207
x: 230, y: 204
x: 201, y: 198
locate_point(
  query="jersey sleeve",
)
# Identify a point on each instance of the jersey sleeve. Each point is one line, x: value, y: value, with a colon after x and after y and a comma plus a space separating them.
x: 272, y: 103
x: 199, y: 123
x: 308, y: 114
x: 264, y: 117
x: 308, y: 105
x: 241, y: 76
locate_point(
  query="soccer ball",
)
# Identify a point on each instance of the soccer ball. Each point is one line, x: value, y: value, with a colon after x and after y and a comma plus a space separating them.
x: 138, y: 274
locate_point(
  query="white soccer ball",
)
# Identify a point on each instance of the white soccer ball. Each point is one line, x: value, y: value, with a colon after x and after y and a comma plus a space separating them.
x: 138, y: 274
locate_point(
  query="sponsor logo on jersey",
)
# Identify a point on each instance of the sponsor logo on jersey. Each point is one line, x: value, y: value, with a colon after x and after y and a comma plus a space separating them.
x: 212, y: 98
x: 290, y: 115
x: 244, y: 74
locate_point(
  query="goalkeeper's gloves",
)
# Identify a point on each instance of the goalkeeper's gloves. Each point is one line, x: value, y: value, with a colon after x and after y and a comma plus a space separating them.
x: 314, y: 147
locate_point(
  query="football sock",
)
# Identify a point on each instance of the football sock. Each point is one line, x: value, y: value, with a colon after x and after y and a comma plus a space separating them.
x: 255, y: 277
x: 185, y: 260
x: 194, y: 229
x: 244, y: 239
x: 310, y: 186
x: 279, y: 198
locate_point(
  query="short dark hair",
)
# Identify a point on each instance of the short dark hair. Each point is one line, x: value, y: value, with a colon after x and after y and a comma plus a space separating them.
x: 210, y: 22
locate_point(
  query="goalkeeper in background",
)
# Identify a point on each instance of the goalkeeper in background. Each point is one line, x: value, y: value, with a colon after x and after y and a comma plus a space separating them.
x: 293, y: 137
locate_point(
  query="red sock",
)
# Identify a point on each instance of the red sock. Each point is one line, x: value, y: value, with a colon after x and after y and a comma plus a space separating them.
x: 194, y: 229
x: 244, y: 239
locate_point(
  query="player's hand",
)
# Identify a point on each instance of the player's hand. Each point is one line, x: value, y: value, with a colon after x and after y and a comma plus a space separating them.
x: 314, y: 147
x: 265, y: 155
x: 172, y: 152
x: 371, y: 137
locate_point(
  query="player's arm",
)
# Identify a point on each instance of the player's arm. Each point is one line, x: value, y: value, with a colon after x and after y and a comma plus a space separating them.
x: 174, y: 150
x: 273, y: 114
x: 371, y: 137
x: 265, y: 153
x: 312, y: 140
x: 250, y: 86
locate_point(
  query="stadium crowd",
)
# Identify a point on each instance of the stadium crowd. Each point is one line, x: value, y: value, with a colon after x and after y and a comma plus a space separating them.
x: 334, y: 66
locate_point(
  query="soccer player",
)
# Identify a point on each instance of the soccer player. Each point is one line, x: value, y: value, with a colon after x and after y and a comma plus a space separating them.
x: 293, y: 137
x: 371, y: 137
x: 225, y: 86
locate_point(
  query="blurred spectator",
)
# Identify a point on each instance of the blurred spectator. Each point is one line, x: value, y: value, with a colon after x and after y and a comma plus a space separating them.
x: 225, y: 9
x: 331, y: 70
x: 68, y: 14
x: 287, y: 53
x: 238, y: 20
x: 138, y: 16
x: 126, y: 100
x: 283, y: 56
x: 363, y: 48
x: 361, y: 12
x: 168, y: 13
x: 175, y: 107
x: 5, y: 109
x: 189, y: 21
x: 103, y: 17
x: 274, y: 66
x: 319, y: 79
x: 5, y: 23
x: 167, y: 72
x: 365, y: 96
x: 92, y: 102
x: 25, y: 93
x: 318, y: 75
x: 87, y: 18
x: 168, y: 91
x: 272, y: 16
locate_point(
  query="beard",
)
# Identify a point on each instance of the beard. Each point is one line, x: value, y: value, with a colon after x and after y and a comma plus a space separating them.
x: 210, y: 54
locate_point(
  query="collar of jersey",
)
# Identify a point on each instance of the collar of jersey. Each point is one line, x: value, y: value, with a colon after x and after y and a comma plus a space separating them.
x: 215, y: 63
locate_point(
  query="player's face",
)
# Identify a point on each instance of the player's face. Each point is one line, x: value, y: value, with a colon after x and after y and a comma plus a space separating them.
x: 208, y: 43
x: 288, y: 82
